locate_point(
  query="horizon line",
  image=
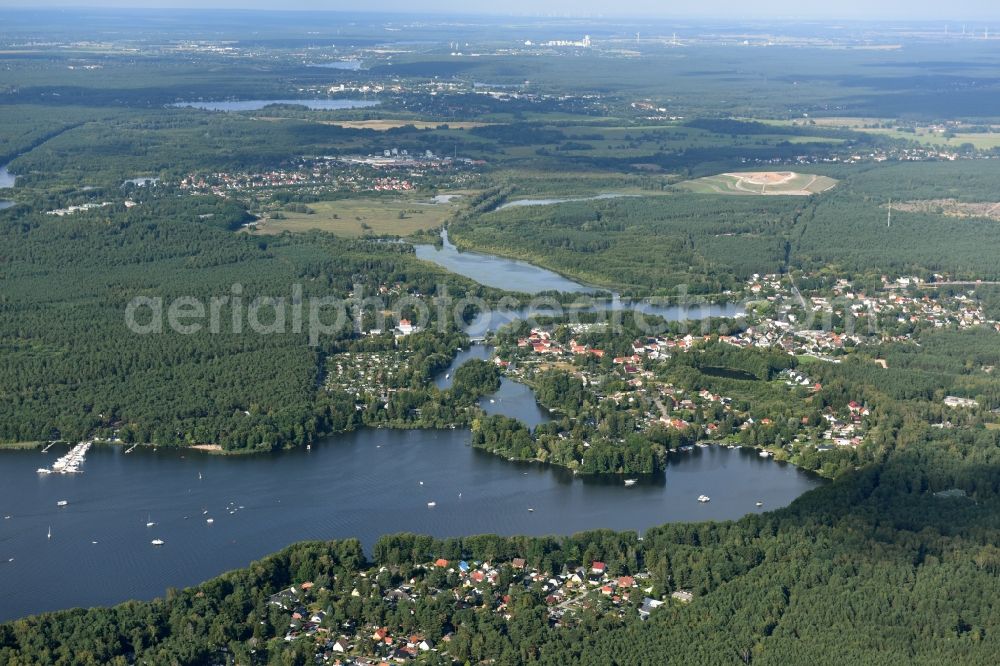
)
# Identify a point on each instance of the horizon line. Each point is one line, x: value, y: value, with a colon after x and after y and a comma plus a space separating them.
x: 488, y: 13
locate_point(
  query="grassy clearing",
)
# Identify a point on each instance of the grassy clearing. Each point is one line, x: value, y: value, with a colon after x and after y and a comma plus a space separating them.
x: 765, y: 183
x: 17, y: 446
x: 376, y: 216
x: 388, y: 124
x: 923, y: 134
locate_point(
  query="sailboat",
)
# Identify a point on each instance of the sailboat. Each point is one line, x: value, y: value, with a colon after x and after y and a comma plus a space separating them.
x: 50, y: 531
x: 149, y: 521
x: 199, y: 476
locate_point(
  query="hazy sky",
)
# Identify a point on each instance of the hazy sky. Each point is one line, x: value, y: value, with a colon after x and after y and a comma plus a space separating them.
x: 950, y: 10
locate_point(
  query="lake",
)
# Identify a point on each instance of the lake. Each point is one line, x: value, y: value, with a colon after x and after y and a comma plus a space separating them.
x: 494, y: 271
x: 257, y: 104
x: 514, y: 275
x: 5, y: 203
x: 350, y: 65
x: 360, y: 485
x: 521, y: 203
x: 6, y: 178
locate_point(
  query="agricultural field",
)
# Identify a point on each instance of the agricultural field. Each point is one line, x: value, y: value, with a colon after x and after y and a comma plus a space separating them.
x: 774, y: 183
x: 361, y: 216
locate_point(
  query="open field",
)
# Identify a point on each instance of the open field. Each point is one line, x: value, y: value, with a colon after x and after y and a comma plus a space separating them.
x: 928, y: 135
x: 773, y: 183
x: 951, y: 208
x: 363, y: 216
x: 388, y: 124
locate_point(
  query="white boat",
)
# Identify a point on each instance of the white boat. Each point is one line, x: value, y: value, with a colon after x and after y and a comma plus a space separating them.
x: 530, y: 510
x: 704, y: 498
x: 765, y: 454
x: 157, y: 542
x: 702, y: 445
x: 758, y: 504
x: 50, y: 531
x: 149, y: 521
x: 210, y: 520
x: 432, y: 504
x: 631, y: 482
x: 62, y: 503
x: 44, y: 470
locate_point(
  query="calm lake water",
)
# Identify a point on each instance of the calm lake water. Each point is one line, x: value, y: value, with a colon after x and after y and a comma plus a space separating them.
x: 521, y: 203
x: 494, y: 271
x: 257, y: 104
x: 350, y: 65
x: 6, y: 177
x: 5, y: 203
x: 360, y: 485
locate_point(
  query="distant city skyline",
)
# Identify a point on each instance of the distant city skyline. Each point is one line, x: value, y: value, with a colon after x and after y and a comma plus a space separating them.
x: 901, y: 10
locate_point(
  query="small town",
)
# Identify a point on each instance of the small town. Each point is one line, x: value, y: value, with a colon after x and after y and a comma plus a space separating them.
x: 482, y: 587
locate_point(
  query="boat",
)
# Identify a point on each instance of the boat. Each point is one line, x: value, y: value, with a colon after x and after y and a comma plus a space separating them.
x: 758, y: 504
x: 50, y: 531
x: 432, y: 504
x: 530, y: 510
x: 62, y: 503
x: 149, y: 521
x: 631, y: 482
x: 44, y: 470
x: 765, y: 454
x: 210, y: 521
x: 702, y: 445
x: 157, y: 542
x: 199, y: 476
x: 704, y: 498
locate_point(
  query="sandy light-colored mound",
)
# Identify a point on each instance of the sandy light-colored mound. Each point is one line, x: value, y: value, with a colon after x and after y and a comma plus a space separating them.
x: 773, y: 183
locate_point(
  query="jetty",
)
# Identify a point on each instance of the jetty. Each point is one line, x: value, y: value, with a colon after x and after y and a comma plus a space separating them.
x: 71, y: 462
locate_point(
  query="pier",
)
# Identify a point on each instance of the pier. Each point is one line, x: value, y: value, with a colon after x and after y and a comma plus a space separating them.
x: 71, y: 462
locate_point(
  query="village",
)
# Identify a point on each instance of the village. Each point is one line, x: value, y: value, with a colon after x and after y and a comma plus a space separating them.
x: 480, y: 587
x: 349, y: 173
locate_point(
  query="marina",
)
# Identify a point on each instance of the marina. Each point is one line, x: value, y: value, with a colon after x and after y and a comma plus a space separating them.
x: 69, y: 463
